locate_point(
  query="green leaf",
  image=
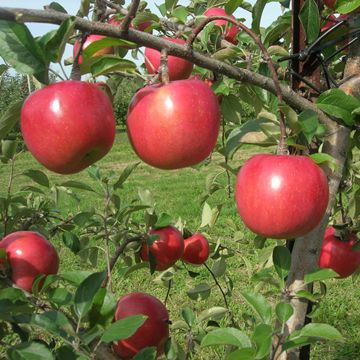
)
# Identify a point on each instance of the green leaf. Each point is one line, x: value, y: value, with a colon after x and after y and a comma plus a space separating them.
x: 8, y: 148
x: 38, y: 176
x: 257, y: 12
x: 310, y: 20
x: 75, y: 277
x: 170, y: 4
x: 282, y: 261
x: 77, y: 185
x: 226, y: 336
x: 125, y: 174
x: 84, y: 8
x: 199, y: 292
x: 54, y: 322
x: 148, y: 353
x: 19, y: 49
x: 91, y: 334
x: 71, y: 241
x: 323, y: 158
x: 123, y: 329
x: 309, y: 125
x: 232, y: 5
x: 347, y: 6
x: 219, y: 267
x: 86, y: 292
x: 57, y: 7
x: 59, y: 296
x: 320, y: 275
x: 259, y: 305
x: 103, y: 307
x: 162, y: 221
x: 243, y: 354
x: 188, y: 315
x: 283, y: 312
x: 215, y: 313
x: 231, y: 109
x: 263, y: 339
x: 10, y: 118
x: 110, y: 64
x: 181, y: 13
x: 322, y: 331
x: 29, y: 351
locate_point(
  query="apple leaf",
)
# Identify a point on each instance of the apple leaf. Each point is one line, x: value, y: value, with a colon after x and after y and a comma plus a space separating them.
x: 262, y: 337
x: 180, y: 13
x: 125, y: 174
x: 226, y: 336
x: 148, y: 353
x: 243, y: 354
x: 110, y: 64
x: 200, y: 291
x: 219, y: 267
x: 56, y: 6
x: 29, y: 351
x: 38, y: 176
x: 323, y: 158
x: 282, y: 261
x: 310, y: 20
x: 20, y: 50
x: 257, y: 12
x: 78, y: 185
x: 84, y: 8
x: 284, y: 311
x: 215, y: 313
x: 86, y: 292
x: 232, y: 5
x: 259, y: 305
x: 346, y: 6
x: 123, y: 329
x: 188, y: 315
x: 10, y: 117
x: 320, y: 275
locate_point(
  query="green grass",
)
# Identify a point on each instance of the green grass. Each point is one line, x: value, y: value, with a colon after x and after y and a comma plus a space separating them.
x: 178, y: 193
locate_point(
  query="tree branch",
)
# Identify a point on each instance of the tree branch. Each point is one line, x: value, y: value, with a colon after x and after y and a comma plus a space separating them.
x: 148, y: 40
x: 129, y: 16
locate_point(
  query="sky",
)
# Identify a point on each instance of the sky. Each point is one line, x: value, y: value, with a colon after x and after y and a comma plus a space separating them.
x: 271, y: 12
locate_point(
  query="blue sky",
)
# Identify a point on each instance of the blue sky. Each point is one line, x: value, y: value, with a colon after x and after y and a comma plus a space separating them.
x: 272, y: 10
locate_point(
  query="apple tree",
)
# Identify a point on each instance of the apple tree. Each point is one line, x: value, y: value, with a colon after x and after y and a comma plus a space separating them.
x: 298, y: 86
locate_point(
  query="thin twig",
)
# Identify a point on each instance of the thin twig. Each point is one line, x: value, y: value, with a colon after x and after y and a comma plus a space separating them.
x: 75, y: 71
x: 8, y: 193
x: 282, y: 147
x: 125, y: 23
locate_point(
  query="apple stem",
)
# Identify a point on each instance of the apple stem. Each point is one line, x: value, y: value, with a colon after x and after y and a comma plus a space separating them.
x: 75, y: 71
x: 124, y: 27
x: 282, y: 146
x: 164, y: 69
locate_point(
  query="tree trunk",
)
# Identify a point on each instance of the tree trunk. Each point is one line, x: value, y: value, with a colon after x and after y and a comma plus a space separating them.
x: 306, y: 249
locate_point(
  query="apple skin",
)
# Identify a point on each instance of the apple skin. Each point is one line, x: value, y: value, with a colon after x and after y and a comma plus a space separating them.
x: 154, y: 331
x: 168, y: 249
x: 68, y: 126
x: 330, y: 3
x: 281, y: 196
x: 231, y: 31
x: 338, y: 255
x: 29, y: 254
x: 179, y: 69
x: 196, y: 249
x: 89, y: 40
x: 170, y: 128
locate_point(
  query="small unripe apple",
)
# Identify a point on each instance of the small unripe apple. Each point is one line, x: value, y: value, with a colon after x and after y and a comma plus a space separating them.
x: 196, y: 249
x: 179, y: 68
x: 29, y: 254
x: 167, y: 250
x: 338, y: 254
x: 170, y: 128
x: 281, y: 196
x: 68, y: 126
x: 231, y: 30
x: 154, y: 331
x: 89, y: 40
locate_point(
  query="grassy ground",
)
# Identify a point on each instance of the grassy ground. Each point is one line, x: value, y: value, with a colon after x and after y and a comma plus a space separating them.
x: 178, y: 193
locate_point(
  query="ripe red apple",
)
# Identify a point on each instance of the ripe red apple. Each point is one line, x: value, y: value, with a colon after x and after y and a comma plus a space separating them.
x: 68, y: 126
x: 196, y: 249
x: 231, y: 30
x: 171, y: 128
x: 29, y: 255
x: 168, y: 249
x: 154, y: 331
x: 281, y: 196
x: 89, y: 40
x: 179, y: 69
x: 338, y: 255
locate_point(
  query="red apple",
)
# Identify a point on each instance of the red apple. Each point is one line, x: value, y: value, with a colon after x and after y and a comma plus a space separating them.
x: 330, y: 22
x: 168, y: 249
x: 339, y: 255
x: 89, y: 40
x: 171, y: 128
x: 231, y: 30
x: 154, y: 331
x: 68, y: 126
x: 179, y: 69
x: 29, y: 255
x: 330, y: 3
x: 196, y: 249
x: 281, y: 196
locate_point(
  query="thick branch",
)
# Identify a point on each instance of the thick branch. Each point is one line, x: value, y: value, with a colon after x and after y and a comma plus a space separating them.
x: 148, y: 40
